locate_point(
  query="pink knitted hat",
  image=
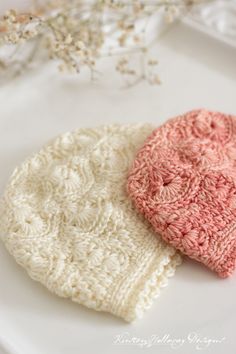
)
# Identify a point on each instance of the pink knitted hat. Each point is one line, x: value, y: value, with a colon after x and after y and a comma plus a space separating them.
x: 184, y: 181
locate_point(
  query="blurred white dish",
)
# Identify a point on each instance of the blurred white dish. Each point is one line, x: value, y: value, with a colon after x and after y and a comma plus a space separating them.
x: 217, y: 19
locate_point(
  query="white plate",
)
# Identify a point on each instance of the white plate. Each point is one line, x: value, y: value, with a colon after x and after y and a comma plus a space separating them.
x: 196, y: 72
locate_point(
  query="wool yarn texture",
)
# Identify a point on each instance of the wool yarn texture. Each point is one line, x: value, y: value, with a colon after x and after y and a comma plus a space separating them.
x: 184, y: 181
x: 67, y: 219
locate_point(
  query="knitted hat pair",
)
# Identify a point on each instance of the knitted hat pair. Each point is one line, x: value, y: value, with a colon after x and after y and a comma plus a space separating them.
x: 67, y: 220
x: 184, y: 181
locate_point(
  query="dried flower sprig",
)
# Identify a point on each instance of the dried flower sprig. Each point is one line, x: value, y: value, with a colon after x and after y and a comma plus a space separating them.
x: 77, y: 33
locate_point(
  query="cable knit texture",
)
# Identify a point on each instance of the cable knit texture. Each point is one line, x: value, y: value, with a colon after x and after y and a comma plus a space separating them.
x: 67, y: 220
x: 184, y: 181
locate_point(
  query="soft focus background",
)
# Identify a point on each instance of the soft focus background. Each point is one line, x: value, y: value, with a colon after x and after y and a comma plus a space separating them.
x: 196, y: 71
x: 17, y: 4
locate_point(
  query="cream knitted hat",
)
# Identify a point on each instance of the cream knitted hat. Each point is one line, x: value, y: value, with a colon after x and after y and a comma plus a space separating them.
x: 67, y: 220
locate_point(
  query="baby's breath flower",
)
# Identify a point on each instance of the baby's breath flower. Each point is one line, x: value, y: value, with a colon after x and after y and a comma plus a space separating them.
x: 74, y: 32
x: 12, y: 38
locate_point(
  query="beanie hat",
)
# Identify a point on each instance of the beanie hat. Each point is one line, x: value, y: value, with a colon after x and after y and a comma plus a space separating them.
x: 184, y: 181
x: 67, y: 220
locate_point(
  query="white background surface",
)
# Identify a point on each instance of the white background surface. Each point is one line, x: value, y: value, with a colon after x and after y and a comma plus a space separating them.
x: 196, y: 72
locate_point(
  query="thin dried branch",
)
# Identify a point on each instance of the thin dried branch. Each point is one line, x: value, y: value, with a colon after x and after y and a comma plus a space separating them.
x: 77, y: 33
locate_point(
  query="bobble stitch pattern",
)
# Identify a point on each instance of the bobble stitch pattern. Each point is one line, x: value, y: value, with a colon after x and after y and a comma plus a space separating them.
x: 67, y: 220
x: 184, y: 181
